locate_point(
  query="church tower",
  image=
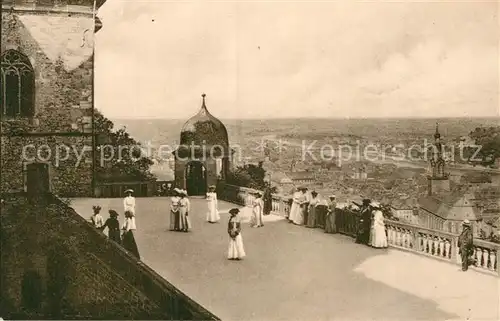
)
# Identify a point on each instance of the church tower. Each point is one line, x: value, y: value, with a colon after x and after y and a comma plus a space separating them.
x: 438, y: 179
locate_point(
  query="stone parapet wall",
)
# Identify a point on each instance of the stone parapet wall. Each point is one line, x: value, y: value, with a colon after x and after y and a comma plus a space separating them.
x: 82, y: 275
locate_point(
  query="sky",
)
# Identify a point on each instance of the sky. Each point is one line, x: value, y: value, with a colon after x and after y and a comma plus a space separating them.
x: 283, y: 59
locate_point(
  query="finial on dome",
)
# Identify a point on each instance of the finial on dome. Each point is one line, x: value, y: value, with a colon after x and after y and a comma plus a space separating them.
x: 203, y: 102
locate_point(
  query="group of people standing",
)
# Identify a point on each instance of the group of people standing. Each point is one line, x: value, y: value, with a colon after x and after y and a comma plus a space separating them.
x: 179, y: 211
x: 371, y: 226
x: 125, y: 235
x: 304, y: 211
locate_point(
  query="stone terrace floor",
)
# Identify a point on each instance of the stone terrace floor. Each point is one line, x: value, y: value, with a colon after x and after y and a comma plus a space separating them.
x: 296, y: 273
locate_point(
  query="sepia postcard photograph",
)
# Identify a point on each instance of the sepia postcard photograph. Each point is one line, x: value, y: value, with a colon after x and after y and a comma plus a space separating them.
x: 247, y: 160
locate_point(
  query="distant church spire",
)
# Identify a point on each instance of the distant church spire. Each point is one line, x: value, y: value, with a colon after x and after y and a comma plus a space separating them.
x: 437, y: 135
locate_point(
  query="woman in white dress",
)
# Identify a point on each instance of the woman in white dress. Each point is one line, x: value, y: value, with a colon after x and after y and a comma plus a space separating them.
x: 300, y: 199
x: 236, y: 250
x: 295, y: 209
x: 184, y: 208
x: 378, y: 238
x: 129, y: 204
x: 174, y: 210
x: 257, y: 211
x: 213, y: 211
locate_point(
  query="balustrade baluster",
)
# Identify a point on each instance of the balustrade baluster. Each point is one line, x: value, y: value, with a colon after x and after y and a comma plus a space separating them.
x: 485, y: 254
x: 398, y: 237
x: 435, y: 245
x: 493, y: 260
x: 447, y: 247
x: 391, y: 233
x: 479, y: 255
x: 427, y: 244
x: 441, y: 247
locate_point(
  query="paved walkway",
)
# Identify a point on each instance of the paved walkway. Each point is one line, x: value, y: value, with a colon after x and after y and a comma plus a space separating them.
x: 296, y: 273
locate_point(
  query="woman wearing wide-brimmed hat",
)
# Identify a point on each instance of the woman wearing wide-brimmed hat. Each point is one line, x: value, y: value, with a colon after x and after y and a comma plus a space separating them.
x: 311, y: 217
x: 128, y: 240
x: 113, y: 226
x: 257, y: 210
x: 331, y: 218
x: 297, y: 210
x: 174, y: 210
x: 213, y: 211
x: 96, y: 218
x: 466, y: 246
x: 129, y: 201
x: 184, y: 208
x: 378, y: 237
x: 236, y: 250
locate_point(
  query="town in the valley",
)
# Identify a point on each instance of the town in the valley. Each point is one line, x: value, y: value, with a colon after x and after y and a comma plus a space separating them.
x: 113, y: 208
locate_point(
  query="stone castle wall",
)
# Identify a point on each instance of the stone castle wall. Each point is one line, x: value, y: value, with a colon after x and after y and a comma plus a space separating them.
x: 59, y: 48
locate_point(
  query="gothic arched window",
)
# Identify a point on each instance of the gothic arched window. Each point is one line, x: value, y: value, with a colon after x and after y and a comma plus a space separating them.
x: 18, y: 85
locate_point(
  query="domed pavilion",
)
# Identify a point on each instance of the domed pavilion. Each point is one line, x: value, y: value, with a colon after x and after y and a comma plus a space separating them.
x: 203, y: 156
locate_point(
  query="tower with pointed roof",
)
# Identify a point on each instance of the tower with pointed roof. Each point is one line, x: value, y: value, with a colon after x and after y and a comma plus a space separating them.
x: 203, y: 157
x: 46, y: 101
x: 438, y: 179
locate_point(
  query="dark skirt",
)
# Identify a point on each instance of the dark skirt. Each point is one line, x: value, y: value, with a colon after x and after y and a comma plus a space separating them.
x: 330, y: 226
x: 320, y: 216
x: 305, y: 212
x: 311, y: 217
x: 129, y: 244
x: 114, y: 235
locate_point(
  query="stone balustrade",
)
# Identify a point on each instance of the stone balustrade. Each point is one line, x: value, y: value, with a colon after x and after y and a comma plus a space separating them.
x: 436, y: 244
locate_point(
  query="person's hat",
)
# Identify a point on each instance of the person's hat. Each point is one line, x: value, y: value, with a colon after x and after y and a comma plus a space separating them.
x: 177, y: 190
x: 128, y: 214
x: 375, y: 204
x: 113, y: 213
x: 212, y: 187
x: 129, y: 191
x: 234, y: 211
x: 332, y: 196
x: 96, y: 208
x: 466, y: 223
x: 366, y: 201
x: 314, y: 193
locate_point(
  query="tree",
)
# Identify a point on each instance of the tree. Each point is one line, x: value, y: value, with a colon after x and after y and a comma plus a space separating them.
x: 119, y: 157
x: 249, y: 175
x: 489, y: 140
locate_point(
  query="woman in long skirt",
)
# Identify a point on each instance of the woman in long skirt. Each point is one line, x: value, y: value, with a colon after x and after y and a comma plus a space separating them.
x: 268, y: 200
x: 311, y: 217
x: 297, y: 213
x: 113, y: 227
x: 378, y: 238
x: 174, y: 210
x: 184, y: 207
x: 236, y: 250
x: 330, y: 226
x: 128, y: 236
x: 258, y: 208
x: 213, y: 211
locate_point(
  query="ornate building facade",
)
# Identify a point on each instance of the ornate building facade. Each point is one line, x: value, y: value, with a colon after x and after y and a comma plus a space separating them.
x: 46, y: 104
x: 203, y: 156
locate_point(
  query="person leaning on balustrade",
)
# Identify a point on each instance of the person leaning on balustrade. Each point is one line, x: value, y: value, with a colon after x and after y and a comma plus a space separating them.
x: 466, y: 246
x: 330, y: 226
x: 311, y: 217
